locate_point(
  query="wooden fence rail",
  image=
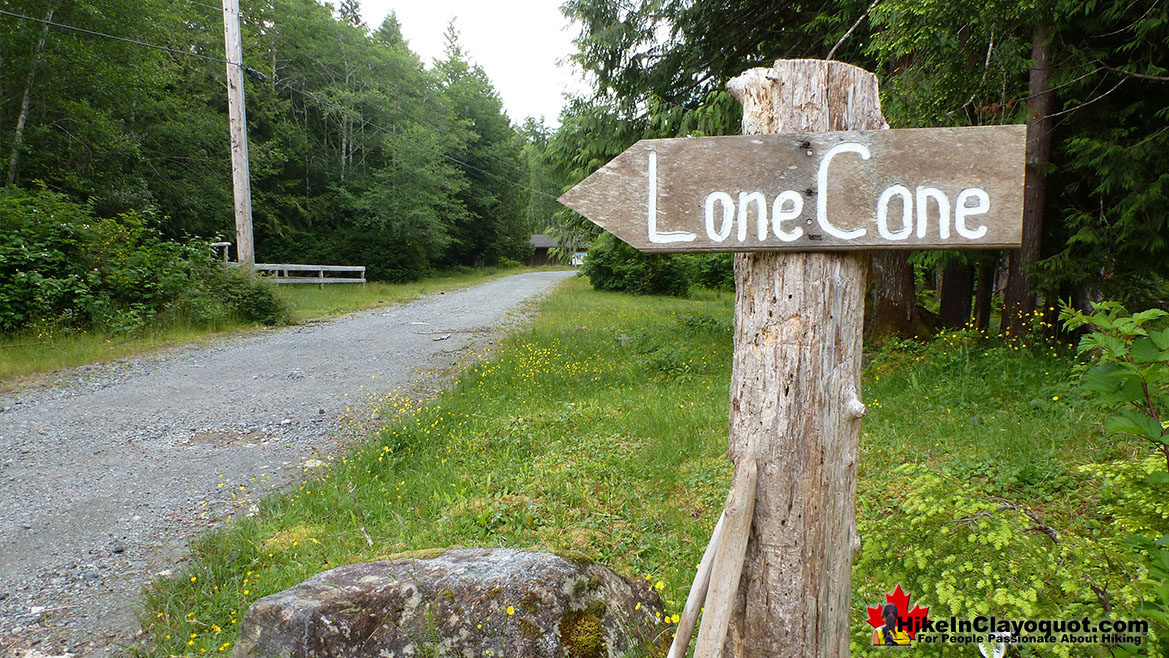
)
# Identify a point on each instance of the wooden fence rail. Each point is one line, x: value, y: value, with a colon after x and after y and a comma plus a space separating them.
x: 282, y: 273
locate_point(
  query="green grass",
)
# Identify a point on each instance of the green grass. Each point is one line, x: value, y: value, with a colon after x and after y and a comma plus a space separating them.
x: 602, y: 429
x: 29, y: 358
x: 32, y: 356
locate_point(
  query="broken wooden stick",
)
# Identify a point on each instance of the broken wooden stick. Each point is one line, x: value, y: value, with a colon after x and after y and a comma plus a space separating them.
x: 728, y: 560
x: 697, y: 595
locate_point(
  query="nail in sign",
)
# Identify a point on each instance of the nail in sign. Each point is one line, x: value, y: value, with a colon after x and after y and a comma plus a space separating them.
x: 920, y: 188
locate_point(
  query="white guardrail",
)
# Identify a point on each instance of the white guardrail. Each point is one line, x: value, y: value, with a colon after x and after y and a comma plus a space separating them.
x: 294, y: 273
x: 290, y: 273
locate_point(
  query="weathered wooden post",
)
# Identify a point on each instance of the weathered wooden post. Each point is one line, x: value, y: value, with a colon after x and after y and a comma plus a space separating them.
x: 238, y: 122
x: 830, y: 184
x: 795, y: 387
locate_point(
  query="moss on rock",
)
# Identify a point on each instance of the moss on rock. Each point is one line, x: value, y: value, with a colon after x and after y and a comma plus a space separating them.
x: 582, y: 635
x: 576, y: 557
x: 530, y: 603
x: 420, y: 554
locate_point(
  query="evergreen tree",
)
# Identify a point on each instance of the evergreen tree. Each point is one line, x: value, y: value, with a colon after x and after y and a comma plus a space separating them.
x: 495, y: 226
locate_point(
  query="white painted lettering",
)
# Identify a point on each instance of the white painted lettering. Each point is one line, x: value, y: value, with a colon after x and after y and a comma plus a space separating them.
x: 779, y: 215
x: 962, y: 211
x: 664, y: 237
x: 906, y: 212
x: 822, y: 196
x: 745, y: 199
x: 924, y: 194
x: 728, y: 205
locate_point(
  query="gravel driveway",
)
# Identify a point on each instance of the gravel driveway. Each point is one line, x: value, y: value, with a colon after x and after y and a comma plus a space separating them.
x: 103, y: 479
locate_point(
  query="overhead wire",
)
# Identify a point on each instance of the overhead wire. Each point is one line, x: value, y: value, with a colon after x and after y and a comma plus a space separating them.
x: 115, y: 37
x: 364, y: 122
x: 275, y: 34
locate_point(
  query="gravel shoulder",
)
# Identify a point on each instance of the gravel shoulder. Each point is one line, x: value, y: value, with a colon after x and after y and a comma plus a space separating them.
x: 104, y: 479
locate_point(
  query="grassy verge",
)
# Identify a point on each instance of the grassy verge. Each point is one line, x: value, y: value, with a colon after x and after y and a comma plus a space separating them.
x: 602, y: 429
x: 28, y: 357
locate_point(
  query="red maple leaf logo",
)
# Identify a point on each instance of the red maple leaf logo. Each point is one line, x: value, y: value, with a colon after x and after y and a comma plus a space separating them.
x: 908, y: 620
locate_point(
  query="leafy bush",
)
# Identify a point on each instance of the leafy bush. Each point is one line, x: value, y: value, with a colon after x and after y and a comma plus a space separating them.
x: 614, y: 265
x: 1131, y: 375
x: 969, y: 552
x: 714, y: 271
x: 62, y: 267
x: 1156, y: 606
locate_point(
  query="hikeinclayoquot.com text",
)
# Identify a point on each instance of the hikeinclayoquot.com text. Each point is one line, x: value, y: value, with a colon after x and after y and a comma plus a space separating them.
x: 1027, y: 631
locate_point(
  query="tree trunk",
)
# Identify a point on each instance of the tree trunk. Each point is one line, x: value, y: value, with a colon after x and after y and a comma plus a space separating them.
x: 893, y: 310
x: 794, y: 395
x: 26, y: 101
x: 1019, y: 296
x: 984, y: 294
x: 955, y: 295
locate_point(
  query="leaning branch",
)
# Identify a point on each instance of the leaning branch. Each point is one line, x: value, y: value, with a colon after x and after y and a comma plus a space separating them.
x: 853, y: 29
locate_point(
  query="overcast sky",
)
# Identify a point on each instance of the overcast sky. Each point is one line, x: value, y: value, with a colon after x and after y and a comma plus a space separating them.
x: 518, y: 43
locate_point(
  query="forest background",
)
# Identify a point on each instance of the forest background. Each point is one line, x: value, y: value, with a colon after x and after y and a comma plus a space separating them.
x: 114, y: 164
x: 363, y: 154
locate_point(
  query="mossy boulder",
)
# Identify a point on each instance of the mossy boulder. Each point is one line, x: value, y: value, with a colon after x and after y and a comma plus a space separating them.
x: 464, y: 603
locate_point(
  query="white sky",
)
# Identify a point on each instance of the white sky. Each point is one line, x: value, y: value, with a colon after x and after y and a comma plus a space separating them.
x: 517, y: 42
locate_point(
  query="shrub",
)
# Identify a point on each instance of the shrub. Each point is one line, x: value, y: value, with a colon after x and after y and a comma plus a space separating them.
x: 614, y: 265
x: 251, y: 298
x: 714, y: 271
x: 1131, y: 375
x: 62, y: 267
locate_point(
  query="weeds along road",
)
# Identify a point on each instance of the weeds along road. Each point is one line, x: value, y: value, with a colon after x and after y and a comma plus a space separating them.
x: 102, y: 480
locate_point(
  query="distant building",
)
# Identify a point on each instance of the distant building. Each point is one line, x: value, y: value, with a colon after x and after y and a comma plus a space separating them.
x: 542, y: 244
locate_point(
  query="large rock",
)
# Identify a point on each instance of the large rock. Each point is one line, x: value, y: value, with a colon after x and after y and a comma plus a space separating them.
x: 466, y: 603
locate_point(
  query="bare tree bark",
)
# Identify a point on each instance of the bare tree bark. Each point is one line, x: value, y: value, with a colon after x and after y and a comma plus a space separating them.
x: 26, y: 100
x: 893, y: 306
x: 795, y: 388
x: 955, y: 295
x: 1019, y: 296
x: 984, y: 292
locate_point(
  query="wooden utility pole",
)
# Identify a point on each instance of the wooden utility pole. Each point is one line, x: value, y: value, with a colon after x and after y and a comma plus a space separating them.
x: 237, y: 117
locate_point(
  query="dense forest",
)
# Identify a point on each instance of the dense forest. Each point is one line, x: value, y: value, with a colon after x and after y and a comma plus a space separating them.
x: 363, y: 154
x: 360, y: 152
x: 1090, y: 78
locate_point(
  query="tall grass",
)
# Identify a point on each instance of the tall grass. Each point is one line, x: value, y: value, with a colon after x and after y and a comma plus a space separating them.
x: 602, y: 429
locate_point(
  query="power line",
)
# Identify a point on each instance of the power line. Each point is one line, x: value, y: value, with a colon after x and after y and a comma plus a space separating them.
x: 364, y: 122
x: 114, y: 37
x: 275, y: 34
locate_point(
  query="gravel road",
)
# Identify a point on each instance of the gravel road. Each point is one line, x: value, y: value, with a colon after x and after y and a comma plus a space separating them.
x: 104, y: 477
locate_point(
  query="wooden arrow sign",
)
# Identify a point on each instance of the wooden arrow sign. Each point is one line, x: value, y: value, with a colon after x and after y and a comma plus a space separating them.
x: 920, y: 188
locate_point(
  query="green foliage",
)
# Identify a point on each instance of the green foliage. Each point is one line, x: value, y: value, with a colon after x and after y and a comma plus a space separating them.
x: 353, y: 141
x: 63, y: 267
x: 1131, y: 372
x: 1135, y: 493
x: 968, y: 552
x: 1156, y: 606
x: 615, y: 266
x: 714, y: 271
